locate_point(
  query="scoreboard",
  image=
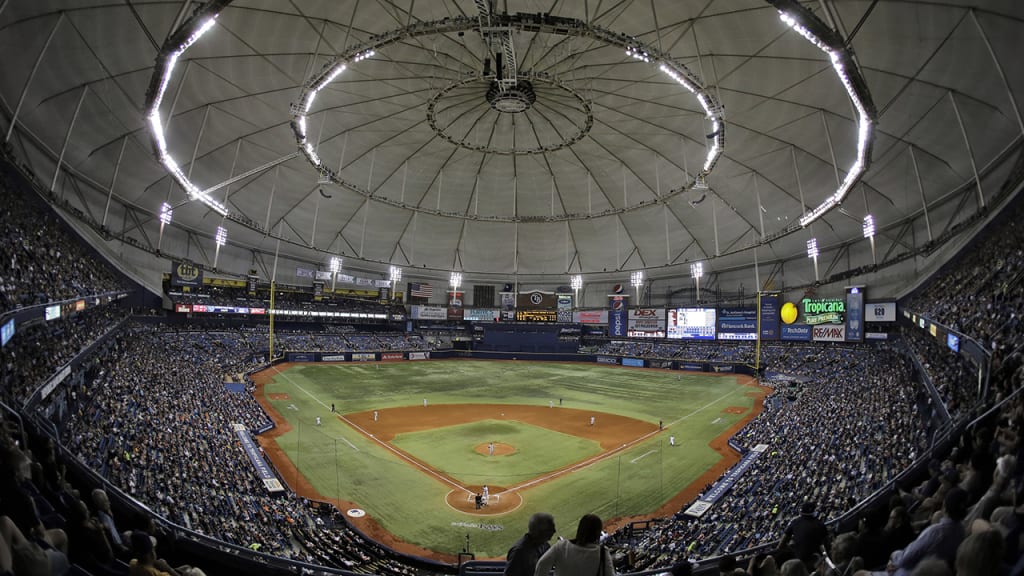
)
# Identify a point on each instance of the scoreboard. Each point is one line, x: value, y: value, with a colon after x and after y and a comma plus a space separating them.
x: 691, y: 323
x: 537, y: 315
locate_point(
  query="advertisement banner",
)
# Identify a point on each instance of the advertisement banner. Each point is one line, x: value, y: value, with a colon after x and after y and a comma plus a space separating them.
x: 454, y: 313
x: 378, y: 283
x: 953, y: 341
x: 565, y: 308
x: 335, y: 358
x: 618, y: 315
x: 590, y: 317
x: 880, y: 312
x: 185, y: 274
x: 301, y: 357
x: 429, y: 313
x: 769, y: 309
x: 419, y: 355
x: 479, y: 315
x: 737, y: 323
x: 607, y: 360
x: 795, y: 332
x: 456, y: 298
x: 726, y: 482
x: 392, y: 356
x: 692, y: 367
x: 323, y: 274
x: 726, y: 368
x: 305, y: 273
x: 363, y: 356
x: 263, y: 469
x: 855, y: 314
x: 7, y: 332
x: 647, y: 322
x: 829, y: 333
x: 634, y: 362
x: 183, y: 308
x: 508, y: 300
x: 876, y: 336
x: 823, y: 311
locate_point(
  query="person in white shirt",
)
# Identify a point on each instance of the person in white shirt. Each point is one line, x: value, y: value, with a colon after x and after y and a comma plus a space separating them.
x: 581, y: 556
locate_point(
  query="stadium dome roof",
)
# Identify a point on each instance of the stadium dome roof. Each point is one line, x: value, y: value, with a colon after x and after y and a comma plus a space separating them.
x: 544, y: 143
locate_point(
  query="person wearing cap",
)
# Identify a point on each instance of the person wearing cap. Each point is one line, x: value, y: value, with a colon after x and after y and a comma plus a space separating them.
x: 806, y: 535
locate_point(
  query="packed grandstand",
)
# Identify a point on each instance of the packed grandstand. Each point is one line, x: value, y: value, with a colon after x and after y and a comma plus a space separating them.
x: 131, y: 422
x: 148, y: 417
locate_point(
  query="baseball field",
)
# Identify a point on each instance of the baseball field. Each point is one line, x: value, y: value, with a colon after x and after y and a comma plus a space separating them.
x: 410, y: 444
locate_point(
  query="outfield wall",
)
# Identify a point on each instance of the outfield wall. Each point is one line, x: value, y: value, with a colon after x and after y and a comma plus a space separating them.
x: 666, y: 364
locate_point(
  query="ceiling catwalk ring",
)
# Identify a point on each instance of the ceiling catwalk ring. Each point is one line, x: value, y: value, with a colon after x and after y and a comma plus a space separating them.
x: 511, y: 97
x: 531, y: 90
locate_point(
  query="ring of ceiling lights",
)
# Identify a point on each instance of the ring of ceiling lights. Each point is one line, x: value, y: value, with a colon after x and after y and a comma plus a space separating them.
x: 559, y: 26
x: 802, y: 20
x: 578, y: 112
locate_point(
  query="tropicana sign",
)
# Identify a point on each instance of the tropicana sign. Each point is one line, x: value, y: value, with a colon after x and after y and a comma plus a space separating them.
x: 824, y: 311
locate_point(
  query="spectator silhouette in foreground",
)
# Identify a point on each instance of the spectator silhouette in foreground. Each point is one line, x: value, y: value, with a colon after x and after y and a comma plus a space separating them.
x: 582, y: 555
x: 806, y: 534
x: 523, y: 555
x: 939, y: 540
x: 145, y: 562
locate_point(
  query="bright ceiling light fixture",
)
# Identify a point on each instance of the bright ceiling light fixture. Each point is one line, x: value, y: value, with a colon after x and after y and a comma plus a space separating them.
x: 576, y: 282
x: 192, y: 30
x: 869, y: 226
x: 805, y: 23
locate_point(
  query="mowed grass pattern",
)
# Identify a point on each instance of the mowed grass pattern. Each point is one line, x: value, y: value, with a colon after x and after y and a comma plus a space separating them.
x: 340, y: 462
x: 451, y: 450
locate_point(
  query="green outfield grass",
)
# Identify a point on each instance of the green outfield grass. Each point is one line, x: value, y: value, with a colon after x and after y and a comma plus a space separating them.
x: 341, y: 462
x: 451, y: 450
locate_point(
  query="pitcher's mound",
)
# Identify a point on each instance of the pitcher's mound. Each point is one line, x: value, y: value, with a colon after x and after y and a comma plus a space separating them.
x: 497, y: 503
x: 499, y: 449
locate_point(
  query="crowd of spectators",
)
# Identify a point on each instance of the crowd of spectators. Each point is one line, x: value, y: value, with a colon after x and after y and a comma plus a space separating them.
x: 964, y: 517
x: 954, y: 377
x: 833, y: 439
x: 158, y: 424
x: 741, y: 352
x: 980, y: 293
x: 289, y: 298
x: 38, y: 350
x: 301, y: 341
x: 42, y: 260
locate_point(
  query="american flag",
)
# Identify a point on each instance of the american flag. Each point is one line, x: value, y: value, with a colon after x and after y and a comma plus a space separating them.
x: 421, y: 290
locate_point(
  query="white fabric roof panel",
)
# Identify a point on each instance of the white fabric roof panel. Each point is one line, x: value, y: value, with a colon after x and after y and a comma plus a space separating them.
x: 601, y: 203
